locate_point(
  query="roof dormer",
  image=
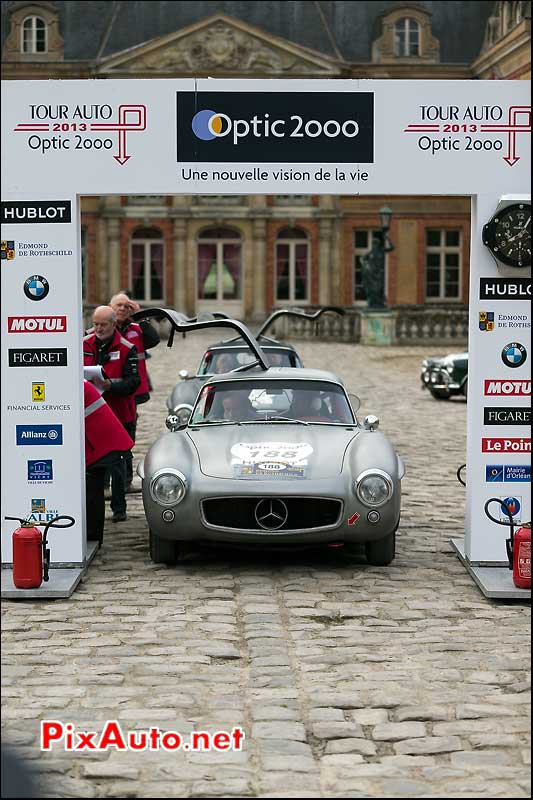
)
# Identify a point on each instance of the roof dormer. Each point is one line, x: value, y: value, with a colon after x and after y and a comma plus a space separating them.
x: 34, y: 33
x: 406, y: 37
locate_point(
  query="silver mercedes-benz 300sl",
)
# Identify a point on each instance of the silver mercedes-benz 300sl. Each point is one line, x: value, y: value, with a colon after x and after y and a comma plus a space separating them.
x: 272, y: 456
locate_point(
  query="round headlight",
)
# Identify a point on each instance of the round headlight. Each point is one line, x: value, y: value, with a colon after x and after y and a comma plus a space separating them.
x: 168, y: 487
x: 183, y: 413
x: 374, y: 487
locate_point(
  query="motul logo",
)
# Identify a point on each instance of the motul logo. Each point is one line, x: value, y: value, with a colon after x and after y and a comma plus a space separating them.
x: 506, y: 445
x: 508, y: 388
x: 37, y: 324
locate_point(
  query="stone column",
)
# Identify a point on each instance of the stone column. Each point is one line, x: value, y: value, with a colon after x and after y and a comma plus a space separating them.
x: 338, y: 272
x: 101, y: 265
x: 324, y: 261
x: 113, y: 256
x: 190, y: 276
x: 257, y: 204
x: 179, y: 263
x: 259, y: 269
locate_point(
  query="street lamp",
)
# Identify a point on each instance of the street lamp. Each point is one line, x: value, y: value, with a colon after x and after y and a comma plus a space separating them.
x: 373, y: 263
x: 385, y: 216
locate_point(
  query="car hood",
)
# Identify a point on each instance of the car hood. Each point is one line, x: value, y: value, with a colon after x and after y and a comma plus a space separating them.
x: 266, y: 452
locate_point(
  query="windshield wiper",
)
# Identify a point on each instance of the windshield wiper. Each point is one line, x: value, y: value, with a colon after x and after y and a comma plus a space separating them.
x: 217, y: 422
x: 286, y: 419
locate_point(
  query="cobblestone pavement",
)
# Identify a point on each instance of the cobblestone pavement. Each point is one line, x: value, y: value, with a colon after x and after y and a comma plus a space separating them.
x: 348, y: 680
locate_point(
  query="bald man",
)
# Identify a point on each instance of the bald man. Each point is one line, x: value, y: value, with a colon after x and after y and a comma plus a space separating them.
x: 143, y: 335
x: 106, y: 347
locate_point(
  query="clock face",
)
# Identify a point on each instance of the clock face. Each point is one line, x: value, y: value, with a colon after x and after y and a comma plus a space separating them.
x: 508, y: 235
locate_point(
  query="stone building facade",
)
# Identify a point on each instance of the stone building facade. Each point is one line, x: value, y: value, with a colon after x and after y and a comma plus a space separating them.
x: 246, y: 255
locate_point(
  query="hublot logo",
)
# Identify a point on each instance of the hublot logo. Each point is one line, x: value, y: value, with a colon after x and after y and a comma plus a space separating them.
x: 17, y: 212
x: 505, y: 289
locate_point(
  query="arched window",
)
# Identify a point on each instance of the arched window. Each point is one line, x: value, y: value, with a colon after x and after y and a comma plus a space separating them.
x: 147, y: 260
x: 34, y: 38
x: 219, y: 265
x: 406, y: 37
x: 292, y: 266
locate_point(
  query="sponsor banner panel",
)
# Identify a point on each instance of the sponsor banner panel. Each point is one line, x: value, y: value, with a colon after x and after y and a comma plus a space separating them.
x: 42, y: 400
x: 499, y: 398
x: 264, y: 136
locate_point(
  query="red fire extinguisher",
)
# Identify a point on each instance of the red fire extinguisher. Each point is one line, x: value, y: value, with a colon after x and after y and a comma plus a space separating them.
x: 518, y: 546
x: 31, y: 556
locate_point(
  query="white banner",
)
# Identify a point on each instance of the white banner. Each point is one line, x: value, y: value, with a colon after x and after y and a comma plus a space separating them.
x: 250, y: 137
x: 43, y: 459
x: 247, y: 137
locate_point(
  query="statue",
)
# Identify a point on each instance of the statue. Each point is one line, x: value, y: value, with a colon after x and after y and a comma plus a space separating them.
x: 373, y: 271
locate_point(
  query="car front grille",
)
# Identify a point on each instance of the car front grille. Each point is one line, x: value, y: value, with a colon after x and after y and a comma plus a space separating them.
x: 271, y: 514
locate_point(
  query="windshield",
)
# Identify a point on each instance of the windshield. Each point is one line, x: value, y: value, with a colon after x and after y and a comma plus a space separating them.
x: 273, y: 401
x: 217, y: 362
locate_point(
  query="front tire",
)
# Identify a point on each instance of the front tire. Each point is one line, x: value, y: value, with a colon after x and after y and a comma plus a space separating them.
x: 162, y: 551
x: 465, y: 390
x: 381, y: 552
x: 440, y: 394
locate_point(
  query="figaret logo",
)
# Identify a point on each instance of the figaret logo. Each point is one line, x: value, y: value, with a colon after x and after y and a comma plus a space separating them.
x: 474, y: 128
x: 61, y: 127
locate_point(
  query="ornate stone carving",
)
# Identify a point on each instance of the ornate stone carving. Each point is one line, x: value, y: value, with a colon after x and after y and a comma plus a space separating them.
x: 219, y: 48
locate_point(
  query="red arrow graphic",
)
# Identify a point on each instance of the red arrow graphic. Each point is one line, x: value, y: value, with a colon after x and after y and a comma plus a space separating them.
x: 122, y: 127
x: 511, y: 156
x: 122, y: 157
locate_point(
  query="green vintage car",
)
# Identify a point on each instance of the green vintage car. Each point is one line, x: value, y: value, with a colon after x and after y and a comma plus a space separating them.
x: 446, y: 376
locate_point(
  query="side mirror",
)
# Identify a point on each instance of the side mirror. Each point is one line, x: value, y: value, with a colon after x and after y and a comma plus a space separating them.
x: 172, y: 422
x: 355, y: 402
x: 371, y: 422
x: 184, y: 374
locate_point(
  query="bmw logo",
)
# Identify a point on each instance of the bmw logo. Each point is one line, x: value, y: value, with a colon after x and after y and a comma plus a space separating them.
x: 36, y: 287
x: 514, y: 355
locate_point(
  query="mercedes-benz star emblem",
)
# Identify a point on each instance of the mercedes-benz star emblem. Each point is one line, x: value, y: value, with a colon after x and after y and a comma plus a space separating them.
x: 271, y: 514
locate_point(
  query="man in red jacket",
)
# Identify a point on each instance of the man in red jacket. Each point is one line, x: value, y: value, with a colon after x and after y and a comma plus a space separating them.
x: 144, y: 336
x: 106, y: 347
x: 106, y: 441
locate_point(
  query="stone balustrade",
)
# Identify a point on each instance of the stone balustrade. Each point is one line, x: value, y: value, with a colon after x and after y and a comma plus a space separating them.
x: 414, y: 325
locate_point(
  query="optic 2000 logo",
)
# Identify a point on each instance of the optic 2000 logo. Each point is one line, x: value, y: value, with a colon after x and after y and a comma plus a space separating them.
x: 61, y: 127
x: 472, y: 128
